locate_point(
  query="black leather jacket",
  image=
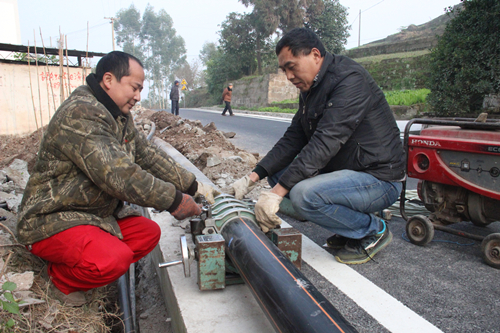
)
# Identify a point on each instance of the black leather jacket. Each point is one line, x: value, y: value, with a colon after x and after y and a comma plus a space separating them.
x: 343, y: 122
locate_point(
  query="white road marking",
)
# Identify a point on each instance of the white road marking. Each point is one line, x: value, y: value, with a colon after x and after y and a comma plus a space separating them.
x: 388, y: 311
x: 280, y: 119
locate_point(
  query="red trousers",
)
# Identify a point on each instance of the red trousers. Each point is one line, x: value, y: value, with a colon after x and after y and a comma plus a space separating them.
x: 86, y: 257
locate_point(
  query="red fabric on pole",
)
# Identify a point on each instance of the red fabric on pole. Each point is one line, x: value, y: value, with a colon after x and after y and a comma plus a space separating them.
x: 86, y: 257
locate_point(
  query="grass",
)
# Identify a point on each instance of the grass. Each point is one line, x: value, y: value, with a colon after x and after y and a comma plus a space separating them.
x: 401, y: 55
x: 287, y: 101
x: 406, y: 97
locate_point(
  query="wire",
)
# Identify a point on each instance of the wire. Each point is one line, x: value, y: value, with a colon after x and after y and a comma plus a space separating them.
x: 405, y: 237
x: 378, y: 3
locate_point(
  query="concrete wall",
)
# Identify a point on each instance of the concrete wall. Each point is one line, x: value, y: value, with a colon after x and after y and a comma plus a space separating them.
x: 21, y: 99
x: 259, y: 91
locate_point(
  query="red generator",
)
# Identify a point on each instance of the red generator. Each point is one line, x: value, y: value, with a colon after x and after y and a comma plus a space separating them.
x: 457, y: 162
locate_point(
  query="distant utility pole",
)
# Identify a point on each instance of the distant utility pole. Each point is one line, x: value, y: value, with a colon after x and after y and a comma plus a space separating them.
x: 112, y: 21
x: 359, y: 32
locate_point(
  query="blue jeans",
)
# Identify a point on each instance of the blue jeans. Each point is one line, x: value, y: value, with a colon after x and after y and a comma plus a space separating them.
x: 343, y: 202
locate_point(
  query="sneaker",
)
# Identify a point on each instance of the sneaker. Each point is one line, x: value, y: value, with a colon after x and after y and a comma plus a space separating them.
x: 336, y: 241
x: 74, y: 299
x: 359, y: 251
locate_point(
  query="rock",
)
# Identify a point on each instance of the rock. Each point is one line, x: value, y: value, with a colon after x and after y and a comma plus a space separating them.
x: 248, y: 158
x: 188, y: 127
x: 235, y: 158
x: 11, y: 221
x: 210, y: 127
x: 199, y: 131
x: 17, y: 171
x: 13, y: 201
x: 23, y: 281
x: 213, y: 161
x: 147, y: 127
x: 143, y: 316
x: 229, y: 135
x: 179, y: 122
x: 8, y: 187
x: 221, y: 182
x: 3, y: 177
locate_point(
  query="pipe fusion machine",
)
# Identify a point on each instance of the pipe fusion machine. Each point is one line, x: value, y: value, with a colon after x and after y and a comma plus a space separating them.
x: 230, y: 248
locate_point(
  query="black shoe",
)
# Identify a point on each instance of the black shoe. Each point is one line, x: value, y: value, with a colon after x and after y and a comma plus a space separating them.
x: 336, y: 241
x: 231, y: 114
x: 359, y: 251
x: 223, y: 114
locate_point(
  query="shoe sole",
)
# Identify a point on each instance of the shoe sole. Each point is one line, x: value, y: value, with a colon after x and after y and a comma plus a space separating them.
x: 382, y: 246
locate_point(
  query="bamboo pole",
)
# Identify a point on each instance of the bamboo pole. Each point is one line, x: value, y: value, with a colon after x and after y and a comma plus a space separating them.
x: 31, y: 88
x: 67, y: 66
x: 50, y: 77
x: 87, y: 53
x: 38, y: 83
x: 60, y: 45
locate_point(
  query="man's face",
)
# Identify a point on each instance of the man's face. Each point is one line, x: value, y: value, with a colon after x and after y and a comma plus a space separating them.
x: 127, y: 92
x: 302, y: 69
x: 230, y: 87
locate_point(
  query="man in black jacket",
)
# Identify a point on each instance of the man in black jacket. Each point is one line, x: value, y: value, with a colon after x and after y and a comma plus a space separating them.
x: 341, y: 160
x: 174, y: 98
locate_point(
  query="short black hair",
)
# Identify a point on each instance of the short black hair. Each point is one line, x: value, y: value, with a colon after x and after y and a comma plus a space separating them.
x: 300, y: 41
x: 115, y: 62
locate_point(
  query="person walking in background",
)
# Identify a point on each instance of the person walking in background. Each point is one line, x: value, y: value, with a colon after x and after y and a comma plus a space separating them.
x: 226, y: 97
x: 174, y: 97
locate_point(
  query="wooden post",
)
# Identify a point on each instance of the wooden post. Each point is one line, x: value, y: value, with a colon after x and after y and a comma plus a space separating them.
x: 31, y: 88
x: 61, y: 67
x: 38, y: 83
x: 67, y: 66
x: 49, y: 77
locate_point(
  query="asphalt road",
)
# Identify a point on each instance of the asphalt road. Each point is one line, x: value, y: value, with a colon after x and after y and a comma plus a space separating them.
x: 445, y: 282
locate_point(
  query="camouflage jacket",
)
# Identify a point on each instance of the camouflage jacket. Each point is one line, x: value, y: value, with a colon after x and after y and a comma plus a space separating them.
x: 91, y: 159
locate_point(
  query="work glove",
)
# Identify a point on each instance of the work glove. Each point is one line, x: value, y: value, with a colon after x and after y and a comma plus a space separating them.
x: 209, y: 192
x: 265, y: 210
x: 241, y: 187
x: 186, y: 208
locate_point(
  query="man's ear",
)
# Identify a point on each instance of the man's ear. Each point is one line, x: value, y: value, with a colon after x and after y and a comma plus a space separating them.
x: 316, y: 54
x: 107, y: 79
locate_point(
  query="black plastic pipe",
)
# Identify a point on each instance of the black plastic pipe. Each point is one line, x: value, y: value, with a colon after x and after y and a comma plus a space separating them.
x: 124, y: 303
x: 289, y: 300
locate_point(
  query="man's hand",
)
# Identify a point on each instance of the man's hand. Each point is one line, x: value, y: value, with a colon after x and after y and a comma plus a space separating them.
x: 265, y: 210
x: 208, y: 192
x: 186, y: 208
x: 241, y: 187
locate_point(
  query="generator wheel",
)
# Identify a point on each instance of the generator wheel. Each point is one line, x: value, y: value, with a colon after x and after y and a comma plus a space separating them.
x: 419, y: 230
x: 490, y: 247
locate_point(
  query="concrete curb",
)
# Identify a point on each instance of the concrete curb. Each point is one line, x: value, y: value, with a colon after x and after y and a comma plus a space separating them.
x: 233, y: 309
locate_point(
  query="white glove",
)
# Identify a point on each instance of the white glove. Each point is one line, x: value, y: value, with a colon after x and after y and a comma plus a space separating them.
x: 241, y: 187
x: 209, y: 192
x: 265, y: 210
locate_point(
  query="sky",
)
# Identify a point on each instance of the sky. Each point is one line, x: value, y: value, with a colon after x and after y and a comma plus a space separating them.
x: 197, y: 21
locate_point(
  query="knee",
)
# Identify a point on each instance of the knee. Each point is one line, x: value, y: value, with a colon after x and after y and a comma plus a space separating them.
x: 304, y: 197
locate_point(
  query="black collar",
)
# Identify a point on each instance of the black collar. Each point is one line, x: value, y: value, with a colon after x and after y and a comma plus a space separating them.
x: 103, y: 97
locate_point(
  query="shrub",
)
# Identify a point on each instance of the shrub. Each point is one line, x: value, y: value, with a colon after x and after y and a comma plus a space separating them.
x: 465, y: 65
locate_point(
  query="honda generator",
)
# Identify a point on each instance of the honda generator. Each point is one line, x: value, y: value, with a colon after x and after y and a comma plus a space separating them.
x: 457, y: 162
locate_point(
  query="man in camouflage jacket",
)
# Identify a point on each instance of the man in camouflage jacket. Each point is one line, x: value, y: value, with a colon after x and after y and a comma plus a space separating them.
x: 91, y: 160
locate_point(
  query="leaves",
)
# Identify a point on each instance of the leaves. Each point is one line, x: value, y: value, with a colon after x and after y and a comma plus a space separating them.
x: 155, y: 42
x: 465, y: 65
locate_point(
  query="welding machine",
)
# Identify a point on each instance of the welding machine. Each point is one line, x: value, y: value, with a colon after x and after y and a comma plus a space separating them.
x: 457, y: 162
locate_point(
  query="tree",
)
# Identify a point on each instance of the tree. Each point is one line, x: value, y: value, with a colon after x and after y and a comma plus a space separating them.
x: 330, y: 25
x: 465, y: 65
x: 191, y: 73
x: 154, y: 41
x: 207, y: 51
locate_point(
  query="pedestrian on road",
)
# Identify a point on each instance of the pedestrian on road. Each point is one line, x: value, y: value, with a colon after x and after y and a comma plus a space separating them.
x: 91, y: 160
x: 174, y: 98
x: 341, y: 159
x: 226, y: 97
